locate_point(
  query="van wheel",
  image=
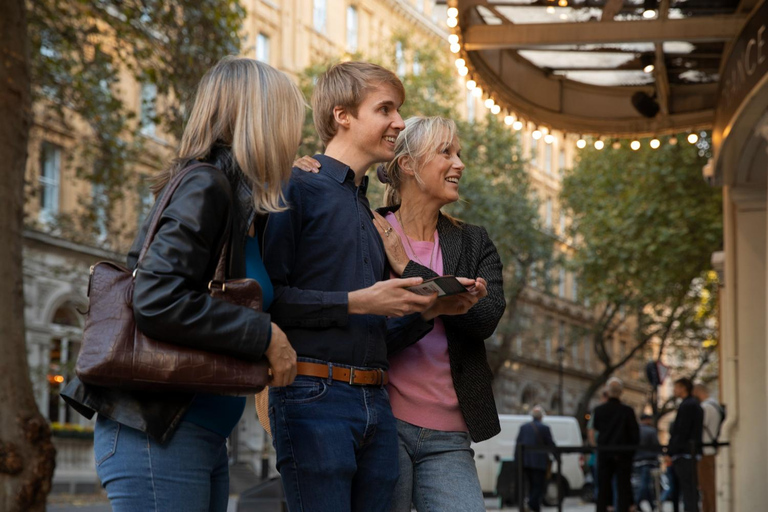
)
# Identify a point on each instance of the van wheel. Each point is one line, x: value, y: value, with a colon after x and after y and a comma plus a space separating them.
x: 550, y: 493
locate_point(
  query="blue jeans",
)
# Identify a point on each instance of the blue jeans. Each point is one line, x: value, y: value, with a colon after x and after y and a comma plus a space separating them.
x: 336, y: 445
x: 190, y: 472
x: 645, y: 489
x: 437, y: 472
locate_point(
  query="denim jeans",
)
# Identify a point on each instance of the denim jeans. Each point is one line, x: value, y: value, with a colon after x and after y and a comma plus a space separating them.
x: 646, y: 491
x: 190, y: 472
x: 336, y: 445
x: 437, y: 472
x: 687, y: 480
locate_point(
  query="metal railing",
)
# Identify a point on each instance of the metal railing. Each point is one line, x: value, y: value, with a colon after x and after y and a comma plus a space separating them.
x: 558, y: 451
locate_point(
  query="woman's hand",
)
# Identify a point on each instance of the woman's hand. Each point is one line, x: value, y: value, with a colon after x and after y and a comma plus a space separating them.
x: 308, y: 164
x: 460, y: 303
x: 281, y: 357
x: 396, y: 255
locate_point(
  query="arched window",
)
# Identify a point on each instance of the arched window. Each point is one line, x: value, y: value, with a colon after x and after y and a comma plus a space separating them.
x: 66, y: 332
x: 528, y: 398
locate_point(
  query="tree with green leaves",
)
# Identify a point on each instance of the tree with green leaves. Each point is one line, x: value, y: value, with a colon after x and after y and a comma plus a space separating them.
x: 495, y: 188
x: 646, y: 225
x: 67, y: 58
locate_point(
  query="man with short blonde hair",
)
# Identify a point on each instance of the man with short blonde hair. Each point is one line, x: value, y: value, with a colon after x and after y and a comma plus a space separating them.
x: 335, y: 435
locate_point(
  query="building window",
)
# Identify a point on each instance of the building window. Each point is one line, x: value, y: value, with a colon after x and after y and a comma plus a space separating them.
x: 534, y: 151
x: 561, y: 283
x: 62, y: 354
x: 548, y: 338
x: 148, y: 108
x: 352, y: 25
x: 587, y: 352
x: 262, y: 48
x: 561, y: 161
x: 99, y: 200
x: 400, y: 59
x: 146, y: 200
x: 519, y: 343
x: 416, y: 66
x: 548, y: 158
x: 319, y: 15
x: 575, y: 289
x: 548, y: 214
x: 471, y: 112
x: 50, y: 174
x: 562, y: 222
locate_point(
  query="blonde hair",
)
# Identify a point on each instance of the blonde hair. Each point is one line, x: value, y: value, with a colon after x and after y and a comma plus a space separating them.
x: 422, y: 140
x: 256, y: 111
x: 345, y: 85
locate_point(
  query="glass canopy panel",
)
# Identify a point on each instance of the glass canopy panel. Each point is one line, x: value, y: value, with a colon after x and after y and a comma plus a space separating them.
x: 609, y: 78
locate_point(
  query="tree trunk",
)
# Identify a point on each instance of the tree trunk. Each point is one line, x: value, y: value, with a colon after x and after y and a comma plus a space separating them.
x: 27, y: 456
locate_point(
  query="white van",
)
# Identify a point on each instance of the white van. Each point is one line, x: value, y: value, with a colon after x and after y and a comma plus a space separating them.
x: 490, y: 454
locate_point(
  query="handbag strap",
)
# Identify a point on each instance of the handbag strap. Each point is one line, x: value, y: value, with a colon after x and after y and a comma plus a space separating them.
x: 165, y: 199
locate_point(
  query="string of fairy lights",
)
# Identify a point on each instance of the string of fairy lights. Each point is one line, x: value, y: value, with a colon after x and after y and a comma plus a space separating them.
x: 517, y: 123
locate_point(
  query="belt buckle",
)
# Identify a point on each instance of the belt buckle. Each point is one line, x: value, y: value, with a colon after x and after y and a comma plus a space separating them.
x: 380, y: 383
x: 352, y: 377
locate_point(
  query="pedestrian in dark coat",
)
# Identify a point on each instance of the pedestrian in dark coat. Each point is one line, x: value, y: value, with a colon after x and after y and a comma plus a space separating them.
x: 685, y: 443
x: 616, y: 424
x: 535, y: 464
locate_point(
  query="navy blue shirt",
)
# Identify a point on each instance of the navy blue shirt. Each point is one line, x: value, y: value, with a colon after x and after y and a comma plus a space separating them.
x: 318, y: 251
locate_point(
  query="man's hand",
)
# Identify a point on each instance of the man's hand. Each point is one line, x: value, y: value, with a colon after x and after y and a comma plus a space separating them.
x: 396, y: 255
x: 282, y: 358
x: 389, y: 298
x: 308, y: 164
x: 457, y: 304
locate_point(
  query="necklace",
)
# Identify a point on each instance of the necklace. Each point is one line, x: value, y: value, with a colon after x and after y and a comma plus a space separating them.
x: 399, y: 217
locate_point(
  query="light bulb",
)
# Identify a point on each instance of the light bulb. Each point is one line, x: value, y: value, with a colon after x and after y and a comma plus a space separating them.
x: 495, y: 109
x: 581, y: 143
x: 649, y: 68
x: 562, y: 3
x: 517, y: 125
x: 673, y: 140
x: 508, y: 120
x: 693, y: 138
x: 599, y: 145
x: 463, y: 71
x: 550, y: 10
x: 549, y: 138
x: 649, y: 13
x: 536, y: 134
x: 655, y: 143
x: 453, y: 12
x: 455, y: 48
x: 460, y: 63
x: 489, y: 103
x: 471, y: 84
x: 477, y: 92
x: 453, y: 39
x: 635, y: 145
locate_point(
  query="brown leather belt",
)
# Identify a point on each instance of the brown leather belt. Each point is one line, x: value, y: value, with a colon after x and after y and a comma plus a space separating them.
x: 351, y: 376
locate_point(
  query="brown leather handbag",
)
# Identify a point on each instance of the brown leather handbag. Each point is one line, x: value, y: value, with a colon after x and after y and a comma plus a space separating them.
x: 115, y: 353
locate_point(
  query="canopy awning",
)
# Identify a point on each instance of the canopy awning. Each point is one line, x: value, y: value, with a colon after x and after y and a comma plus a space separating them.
x: 602, y: 67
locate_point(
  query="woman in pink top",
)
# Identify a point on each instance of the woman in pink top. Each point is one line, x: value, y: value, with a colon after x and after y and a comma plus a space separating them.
x: 440, y: 387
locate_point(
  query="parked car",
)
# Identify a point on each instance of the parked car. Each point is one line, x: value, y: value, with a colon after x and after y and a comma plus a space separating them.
x: 495, y: 459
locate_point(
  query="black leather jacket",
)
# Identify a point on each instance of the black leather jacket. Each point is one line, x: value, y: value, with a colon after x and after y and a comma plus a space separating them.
x: 171, y: 302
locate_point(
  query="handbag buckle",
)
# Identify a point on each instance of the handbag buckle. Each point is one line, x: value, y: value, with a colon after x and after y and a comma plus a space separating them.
x: 211, y: 284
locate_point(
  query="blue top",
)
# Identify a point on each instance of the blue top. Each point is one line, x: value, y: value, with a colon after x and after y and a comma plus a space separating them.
x: 219, y: 413
x: 318, y: 251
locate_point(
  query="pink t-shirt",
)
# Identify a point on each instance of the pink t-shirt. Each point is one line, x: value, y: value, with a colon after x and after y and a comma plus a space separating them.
x: 420, y: 385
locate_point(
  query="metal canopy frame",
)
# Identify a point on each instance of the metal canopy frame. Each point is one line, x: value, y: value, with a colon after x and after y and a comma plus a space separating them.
x: 685, y: 43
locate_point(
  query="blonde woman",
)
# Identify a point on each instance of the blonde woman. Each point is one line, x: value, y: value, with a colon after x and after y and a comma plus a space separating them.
x: 440, y: 387
x: 167, y: 451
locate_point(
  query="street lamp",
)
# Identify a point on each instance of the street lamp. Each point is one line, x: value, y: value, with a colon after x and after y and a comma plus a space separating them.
x: 560, y: 357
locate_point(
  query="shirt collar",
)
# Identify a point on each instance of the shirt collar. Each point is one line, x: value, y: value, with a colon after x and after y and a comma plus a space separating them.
x: 339, y: 171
